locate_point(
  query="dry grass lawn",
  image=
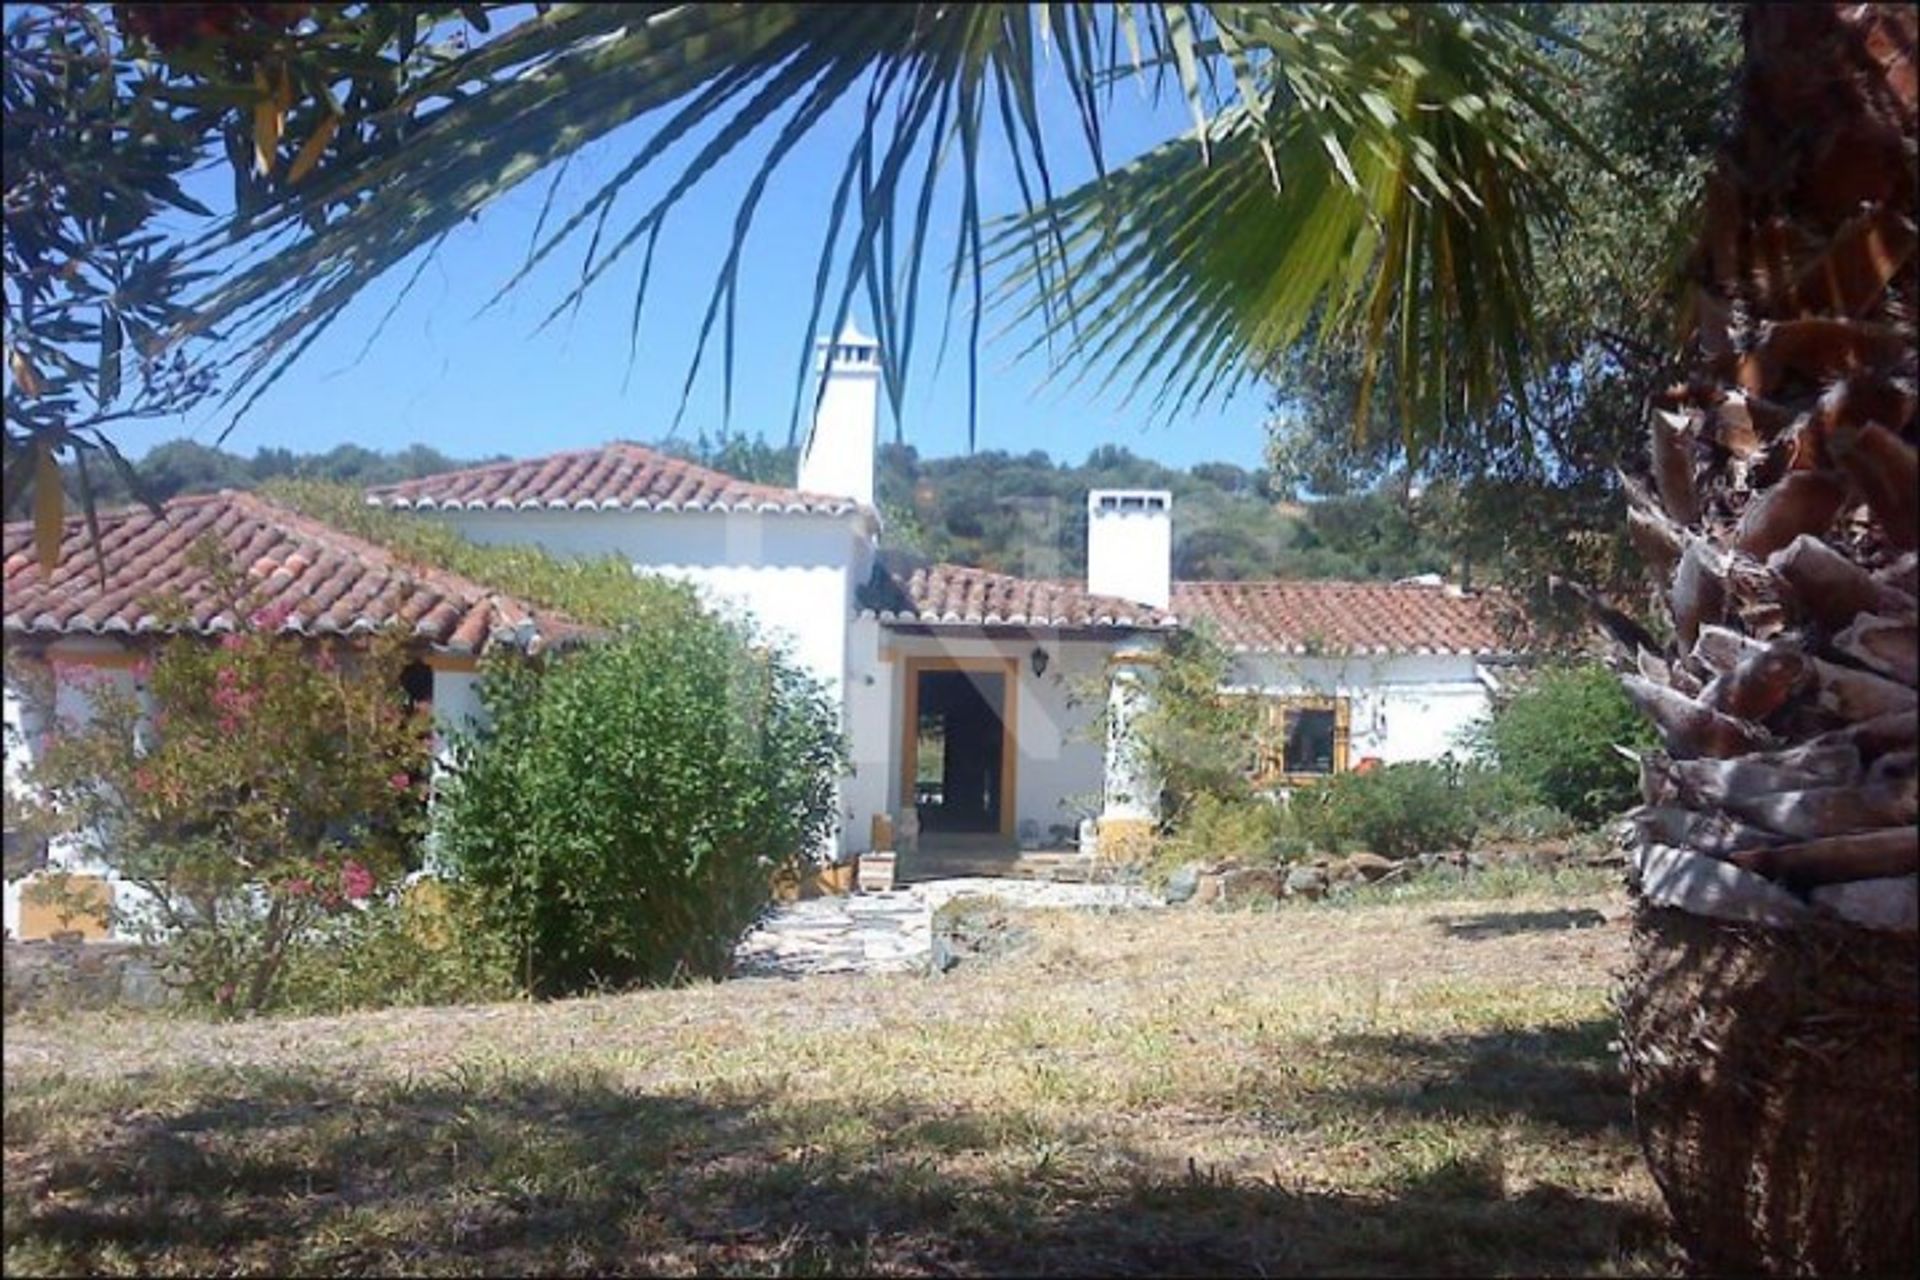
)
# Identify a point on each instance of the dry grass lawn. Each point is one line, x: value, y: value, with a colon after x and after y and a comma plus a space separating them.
x: 1421, y: 1086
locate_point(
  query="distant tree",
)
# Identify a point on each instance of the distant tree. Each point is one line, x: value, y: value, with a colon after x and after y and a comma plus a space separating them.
x: 1223, y: 476
x: 186, y: 466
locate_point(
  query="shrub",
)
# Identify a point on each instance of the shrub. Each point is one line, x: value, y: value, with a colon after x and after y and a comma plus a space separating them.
x: 1557, y: 739
x: 623, y: 812
x: 1195, y: 742
x: 1402, y: 809
x: 1250, y: 830
x: 423, y: 945
x: 1527, y: 821
x: 263, y: 788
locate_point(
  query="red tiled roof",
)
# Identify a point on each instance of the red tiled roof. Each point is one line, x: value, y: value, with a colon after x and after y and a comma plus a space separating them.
x: 329, y: 582
x: 955, y: 595
x: 1299, y: 617
x: 613, y: 477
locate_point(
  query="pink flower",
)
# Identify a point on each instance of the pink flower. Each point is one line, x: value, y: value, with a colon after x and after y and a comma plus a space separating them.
x: 399, y: 782
x: 271, y: 618
x: 233, y: 701
x: 232, y: 640
x: 325, y: 660
x: 143, y: 669
x: 298, y: 887
x: 355, y: 880
x: 143, y: 780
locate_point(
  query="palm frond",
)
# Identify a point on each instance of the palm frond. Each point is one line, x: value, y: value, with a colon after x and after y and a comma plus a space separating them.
x: 1371, y: 176
x: 1408, y: 183
x: 479, y: 125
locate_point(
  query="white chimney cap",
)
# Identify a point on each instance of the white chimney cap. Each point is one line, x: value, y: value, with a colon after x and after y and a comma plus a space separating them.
x: 853, y: 351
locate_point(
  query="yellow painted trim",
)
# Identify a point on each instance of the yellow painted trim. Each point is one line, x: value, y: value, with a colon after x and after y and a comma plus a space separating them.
x: 889, y: 655
x: 452, y: 662
x: 1009, y: 726
x: 1277, y: 706
x: 1136, y: 658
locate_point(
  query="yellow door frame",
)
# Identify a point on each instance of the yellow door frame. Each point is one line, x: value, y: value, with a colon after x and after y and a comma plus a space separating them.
x: 1009, y: 670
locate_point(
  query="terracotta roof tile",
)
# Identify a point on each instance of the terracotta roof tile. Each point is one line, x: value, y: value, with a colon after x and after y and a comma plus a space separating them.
x: 1348, y: 617
x: 330, y: 582
x: 618, y: 476
x: 955, y: 595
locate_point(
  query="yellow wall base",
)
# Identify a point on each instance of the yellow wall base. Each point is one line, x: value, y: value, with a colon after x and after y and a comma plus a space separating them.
x: 816, y: 882
x: 1125, y: 840
x: 63, y: 903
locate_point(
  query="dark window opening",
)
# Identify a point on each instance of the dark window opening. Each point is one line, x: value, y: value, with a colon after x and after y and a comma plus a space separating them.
x: 1309, y: 741
x: 416, y: 681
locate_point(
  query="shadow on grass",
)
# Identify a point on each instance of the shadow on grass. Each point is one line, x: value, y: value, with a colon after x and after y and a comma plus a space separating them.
x: 1501, y: 924
x: 298, y: 1175
x: 1565, y: 1076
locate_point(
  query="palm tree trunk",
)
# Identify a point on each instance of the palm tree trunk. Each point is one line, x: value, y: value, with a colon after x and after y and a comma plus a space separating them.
x: 1783, y: 504
x: 1773, y: 1051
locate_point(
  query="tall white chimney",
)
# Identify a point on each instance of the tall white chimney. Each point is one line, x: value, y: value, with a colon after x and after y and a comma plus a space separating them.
x: 838, y: 457
x: 1130, y: 545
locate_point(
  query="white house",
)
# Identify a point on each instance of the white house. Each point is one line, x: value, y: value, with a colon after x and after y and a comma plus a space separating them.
x: 968, y: 697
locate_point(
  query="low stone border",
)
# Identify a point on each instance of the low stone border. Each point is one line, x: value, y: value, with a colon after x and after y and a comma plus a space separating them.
x: 70, y: 974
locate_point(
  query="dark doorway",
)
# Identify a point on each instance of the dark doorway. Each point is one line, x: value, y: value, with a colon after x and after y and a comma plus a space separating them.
x: 959, y: 750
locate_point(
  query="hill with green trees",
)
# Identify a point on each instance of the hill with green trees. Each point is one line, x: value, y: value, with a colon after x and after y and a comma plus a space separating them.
x: 1015, y: 513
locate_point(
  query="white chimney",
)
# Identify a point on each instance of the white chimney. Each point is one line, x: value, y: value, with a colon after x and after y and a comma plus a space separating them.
x: 1130, y: 545
x: 838, y: 457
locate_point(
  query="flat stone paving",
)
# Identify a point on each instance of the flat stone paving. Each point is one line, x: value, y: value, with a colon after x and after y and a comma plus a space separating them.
x: 893, y: 932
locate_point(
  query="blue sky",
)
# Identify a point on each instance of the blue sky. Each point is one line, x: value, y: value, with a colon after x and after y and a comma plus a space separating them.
x: 472, y: 384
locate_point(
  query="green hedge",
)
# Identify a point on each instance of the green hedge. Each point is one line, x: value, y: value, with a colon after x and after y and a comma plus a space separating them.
x: 1557, y: 737
x: 1403, y: 809
x: 623, y: 813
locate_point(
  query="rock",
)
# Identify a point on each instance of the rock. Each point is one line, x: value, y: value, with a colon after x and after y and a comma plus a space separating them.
x: 1206, y: 889
x: 1183, y: 882
x: 1369, y: 866
x: 1247, y: 885
x: 1306, y: 882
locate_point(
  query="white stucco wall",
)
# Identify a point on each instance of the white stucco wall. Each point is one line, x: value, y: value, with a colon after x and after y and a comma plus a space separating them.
x: 794, y: 575
x: 792, y: 572
x: 1402, y: 707
x: 72, y: 665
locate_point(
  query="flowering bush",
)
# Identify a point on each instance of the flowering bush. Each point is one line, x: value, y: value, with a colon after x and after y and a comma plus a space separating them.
x: 252, y: 788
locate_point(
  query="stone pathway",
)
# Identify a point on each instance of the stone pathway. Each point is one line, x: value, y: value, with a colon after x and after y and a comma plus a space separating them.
x: 893, y: 932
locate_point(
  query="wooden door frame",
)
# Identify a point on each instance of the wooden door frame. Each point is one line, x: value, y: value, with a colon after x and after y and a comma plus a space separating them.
x: 1009, y: 670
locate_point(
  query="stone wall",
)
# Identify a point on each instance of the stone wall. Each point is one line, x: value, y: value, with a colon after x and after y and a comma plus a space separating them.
x: 67, y: 974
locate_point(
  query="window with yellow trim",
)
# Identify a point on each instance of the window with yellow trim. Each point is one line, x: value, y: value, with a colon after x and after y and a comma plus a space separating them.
x: 1307, y: 739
